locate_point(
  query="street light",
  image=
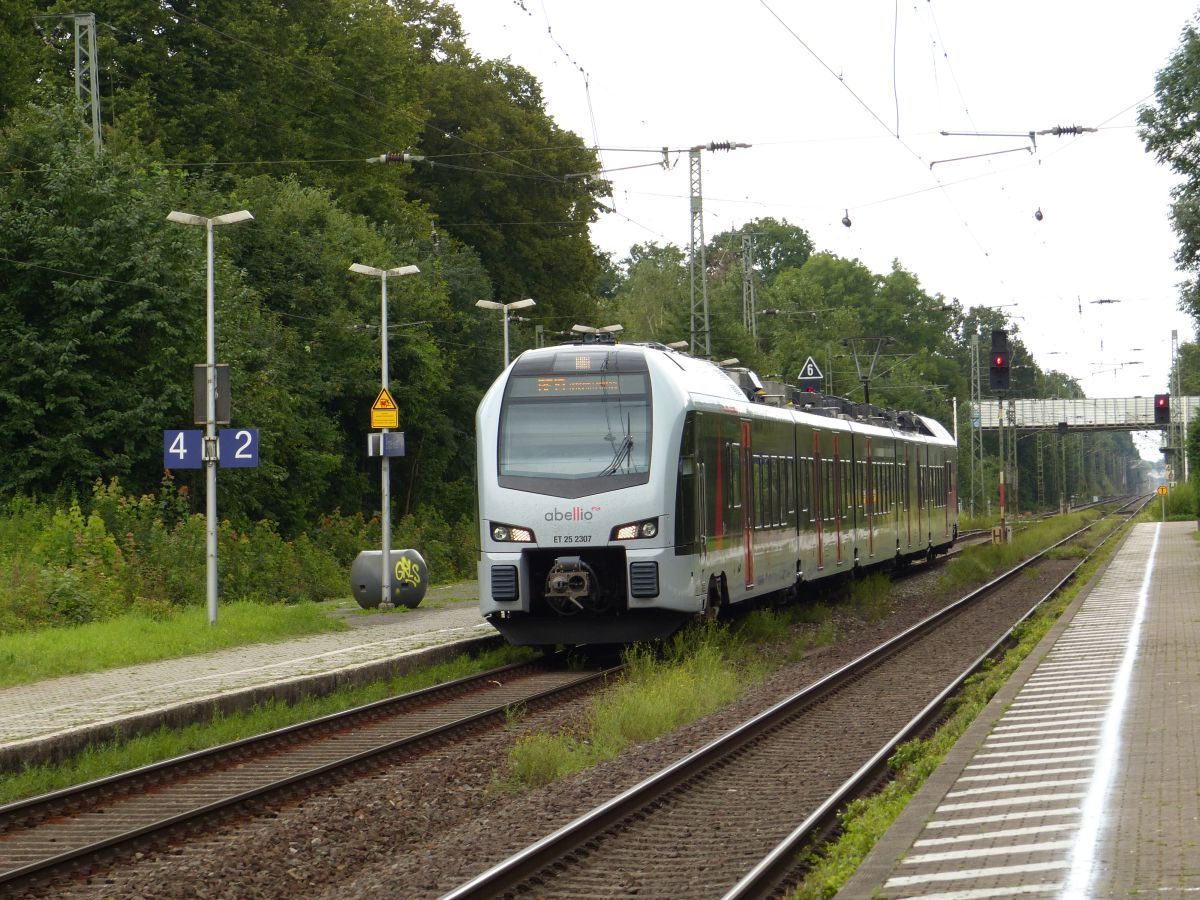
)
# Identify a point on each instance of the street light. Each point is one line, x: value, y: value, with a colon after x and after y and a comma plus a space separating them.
x: 505, y: 307
x: 385, y: 477
x: 210, y: 400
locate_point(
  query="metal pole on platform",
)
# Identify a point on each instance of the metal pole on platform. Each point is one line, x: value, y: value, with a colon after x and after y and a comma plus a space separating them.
x: 385, y: 476
x: 210, y: 401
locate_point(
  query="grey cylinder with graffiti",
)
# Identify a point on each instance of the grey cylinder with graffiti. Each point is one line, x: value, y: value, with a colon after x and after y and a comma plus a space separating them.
x: 410, y: 578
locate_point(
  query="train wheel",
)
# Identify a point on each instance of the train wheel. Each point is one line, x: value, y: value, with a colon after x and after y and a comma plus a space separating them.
x: 712, y: 609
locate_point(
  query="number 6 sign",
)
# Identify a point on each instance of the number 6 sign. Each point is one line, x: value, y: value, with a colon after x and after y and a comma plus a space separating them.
x: 237, y: 448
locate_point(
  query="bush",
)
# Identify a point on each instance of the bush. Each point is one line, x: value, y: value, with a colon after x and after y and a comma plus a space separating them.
x: 69, y: 564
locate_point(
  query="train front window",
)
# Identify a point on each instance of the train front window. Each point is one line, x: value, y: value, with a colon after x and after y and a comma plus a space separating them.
x: 570, y: 434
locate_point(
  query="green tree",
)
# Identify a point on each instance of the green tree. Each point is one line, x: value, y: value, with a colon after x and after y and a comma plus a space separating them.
x: 20, y: 53
x: 511, y: 184
x: 652, y: 301
x: 97, y: 349
x: 1169, y: 129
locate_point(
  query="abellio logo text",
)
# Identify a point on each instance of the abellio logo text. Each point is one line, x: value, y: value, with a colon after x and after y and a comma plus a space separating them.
x: 574, y: 514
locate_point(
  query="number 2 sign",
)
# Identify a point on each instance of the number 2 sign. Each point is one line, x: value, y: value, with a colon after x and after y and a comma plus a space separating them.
x: 237, y: 448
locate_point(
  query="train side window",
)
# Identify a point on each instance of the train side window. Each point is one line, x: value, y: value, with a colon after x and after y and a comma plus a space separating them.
x: 766, y: 515
x: 735, y: 475
x: 760, y: 477
x: 789, y: 471
x: 831, y: 489
x: 776, y: 491
x: 773, y: 488
x: 805, y: 487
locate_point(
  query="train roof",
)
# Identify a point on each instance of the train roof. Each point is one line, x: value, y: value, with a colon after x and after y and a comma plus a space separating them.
x: 706, y: 379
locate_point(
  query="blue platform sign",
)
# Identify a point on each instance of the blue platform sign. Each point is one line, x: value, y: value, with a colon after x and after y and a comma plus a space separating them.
x: 237, y: 448
x: 183, y: 449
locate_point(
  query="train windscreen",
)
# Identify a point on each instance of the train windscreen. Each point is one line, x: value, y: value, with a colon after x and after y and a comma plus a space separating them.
x: 569, y: 434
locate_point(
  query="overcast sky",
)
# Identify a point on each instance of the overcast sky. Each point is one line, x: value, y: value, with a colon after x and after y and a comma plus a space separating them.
x: 844, y: 103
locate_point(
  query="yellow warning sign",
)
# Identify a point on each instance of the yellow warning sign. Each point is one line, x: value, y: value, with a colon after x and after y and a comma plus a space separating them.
x: 384, y: 413
x: 1162, y: 490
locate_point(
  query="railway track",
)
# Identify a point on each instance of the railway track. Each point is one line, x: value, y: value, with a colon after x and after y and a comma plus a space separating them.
x: 44, y: 835
x: 695, y: 827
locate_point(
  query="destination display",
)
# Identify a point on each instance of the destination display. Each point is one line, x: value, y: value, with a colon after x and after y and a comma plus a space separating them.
x: 578, y: 385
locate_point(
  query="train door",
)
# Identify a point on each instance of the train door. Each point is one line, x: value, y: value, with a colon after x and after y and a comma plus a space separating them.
x: 928, y: 498
x: 869, y: 497
x: 730, y: 496
x: 907, y: 496
x: 691, y: 510
x: 817, y: 499
x: 839, y: 493
x: 951, y: 493
x: 922, y: 496
x: 748, y: 500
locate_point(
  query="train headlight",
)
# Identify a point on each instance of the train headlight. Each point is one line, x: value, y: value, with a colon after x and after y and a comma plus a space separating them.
x: 514, y: 534
x: 631, y: 531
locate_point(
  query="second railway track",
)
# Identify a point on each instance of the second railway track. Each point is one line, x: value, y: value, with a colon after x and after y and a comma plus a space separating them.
x: 73, y: 826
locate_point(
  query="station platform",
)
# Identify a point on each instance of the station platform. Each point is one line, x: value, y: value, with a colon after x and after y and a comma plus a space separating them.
x: 1081, y: 778
x: 51, y: 719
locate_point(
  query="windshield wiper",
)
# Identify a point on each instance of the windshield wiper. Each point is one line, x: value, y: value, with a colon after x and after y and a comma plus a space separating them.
x: 623, y: 452
x: 620, y: 456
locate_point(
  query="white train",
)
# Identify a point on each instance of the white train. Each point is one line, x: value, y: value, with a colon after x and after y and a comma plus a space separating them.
x: 624, y: 489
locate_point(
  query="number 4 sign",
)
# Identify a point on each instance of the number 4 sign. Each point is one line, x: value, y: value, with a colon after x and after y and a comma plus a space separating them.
x: 183, y: 449
x: 237, y: 448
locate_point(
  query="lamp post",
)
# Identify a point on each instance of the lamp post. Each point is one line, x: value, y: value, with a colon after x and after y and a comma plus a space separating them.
x: 210, y: 400
x: 504, y: 308
x: 385, y: 477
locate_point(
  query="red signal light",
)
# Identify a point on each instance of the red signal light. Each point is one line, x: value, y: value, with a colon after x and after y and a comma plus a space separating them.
x: 1162, y: 409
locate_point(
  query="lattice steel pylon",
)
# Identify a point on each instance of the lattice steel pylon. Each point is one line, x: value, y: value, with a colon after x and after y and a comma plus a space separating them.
x: 976, y: 432
x: 87, y: 72
x: 87, y: 69
x: 749, y: 314
x: 698, y: 266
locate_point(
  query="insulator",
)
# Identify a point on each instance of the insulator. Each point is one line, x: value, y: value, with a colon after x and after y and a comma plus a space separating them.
x: 721, y: 145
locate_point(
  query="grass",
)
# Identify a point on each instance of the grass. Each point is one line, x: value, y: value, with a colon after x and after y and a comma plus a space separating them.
x: 701, y: 671
x: 871, y: 598
x: 656, y: 696
x: 980, y: 563
x: 28, y: 656
x: 866, y: 820
x: 165, y: 743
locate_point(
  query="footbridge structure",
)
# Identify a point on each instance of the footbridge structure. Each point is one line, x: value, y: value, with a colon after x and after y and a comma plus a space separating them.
x: 1099, y: 414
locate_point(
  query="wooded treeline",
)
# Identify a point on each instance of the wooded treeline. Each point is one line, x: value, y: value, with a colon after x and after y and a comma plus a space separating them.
x: 212, y: 106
